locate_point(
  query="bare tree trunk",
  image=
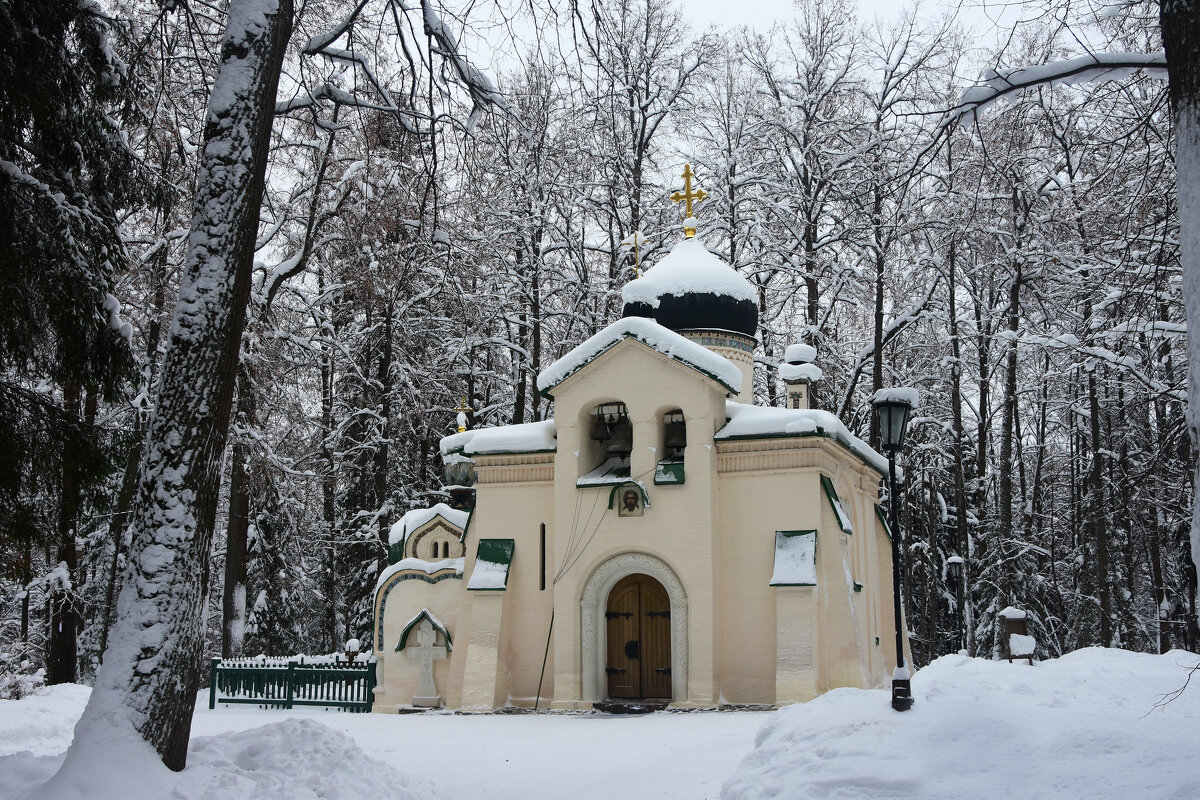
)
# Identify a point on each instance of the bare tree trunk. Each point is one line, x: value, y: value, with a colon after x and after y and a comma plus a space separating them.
x: 1005, y: 577
x: 62, y: 647
x: 329, y: 582
x: 962, y: 532
x: 152, y: 669
x: 1180, y: 24
x: 1099, y: 513
x: 237, y: 530
x: 384, y: 377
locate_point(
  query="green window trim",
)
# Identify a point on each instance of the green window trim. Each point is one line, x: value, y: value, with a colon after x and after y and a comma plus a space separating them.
x: 437, y: 626
x: 882, y: 517
x: 839, y: 513
x: 784, y: 546
x: 493, y: 551
x: 669, y: 473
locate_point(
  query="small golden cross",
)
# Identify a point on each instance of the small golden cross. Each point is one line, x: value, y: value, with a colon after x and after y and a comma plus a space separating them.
x: 462, y: 410
x: 687, y: 196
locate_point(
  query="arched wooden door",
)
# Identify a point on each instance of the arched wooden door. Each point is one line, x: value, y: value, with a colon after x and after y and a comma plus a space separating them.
x: 638, y: 620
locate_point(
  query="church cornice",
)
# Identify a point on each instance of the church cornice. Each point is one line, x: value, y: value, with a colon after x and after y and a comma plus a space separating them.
x: 804, y: 451
x: 535, y: 467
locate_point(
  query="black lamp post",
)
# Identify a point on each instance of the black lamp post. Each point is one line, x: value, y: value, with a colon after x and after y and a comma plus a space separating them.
x: 892, y: 408
x: 954, y: 571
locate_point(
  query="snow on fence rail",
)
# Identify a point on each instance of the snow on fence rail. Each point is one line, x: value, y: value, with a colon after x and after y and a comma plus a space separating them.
x: 288, y: 683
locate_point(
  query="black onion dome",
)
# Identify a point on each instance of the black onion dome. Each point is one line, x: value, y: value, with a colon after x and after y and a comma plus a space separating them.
x: 692, y: 289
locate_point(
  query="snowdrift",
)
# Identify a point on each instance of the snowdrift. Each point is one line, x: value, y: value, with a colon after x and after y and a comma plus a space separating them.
x: 1092, y: 724
x: 296, y: 759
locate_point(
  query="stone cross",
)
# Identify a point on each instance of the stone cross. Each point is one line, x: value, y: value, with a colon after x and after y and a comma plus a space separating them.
x: 426, y: 652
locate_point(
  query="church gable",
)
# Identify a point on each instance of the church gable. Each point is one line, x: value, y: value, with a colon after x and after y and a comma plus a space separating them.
x: 649, y: 333
x: 430, y: 534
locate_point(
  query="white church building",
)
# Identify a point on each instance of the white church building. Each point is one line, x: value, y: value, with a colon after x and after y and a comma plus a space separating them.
x: 661, y: 540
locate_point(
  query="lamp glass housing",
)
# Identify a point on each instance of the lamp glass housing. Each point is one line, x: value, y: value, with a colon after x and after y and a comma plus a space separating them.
x: 893, y: 420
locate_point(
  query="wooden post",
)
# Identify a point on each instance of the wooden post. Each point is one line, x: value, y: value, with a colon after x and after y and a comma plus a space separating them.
x: 291, y: 674
x: 212, y: 685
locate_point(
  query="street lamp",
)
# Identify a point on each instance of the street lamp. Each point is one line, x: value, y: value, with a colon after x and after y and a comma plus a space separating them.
x: 892, y: 406
x: 954, y: 572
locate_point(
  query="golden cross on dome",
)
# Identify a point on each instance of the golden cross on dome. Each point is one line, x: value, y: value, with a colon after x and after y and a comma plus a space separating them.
x: 462, y: 410
x: 687, y: 196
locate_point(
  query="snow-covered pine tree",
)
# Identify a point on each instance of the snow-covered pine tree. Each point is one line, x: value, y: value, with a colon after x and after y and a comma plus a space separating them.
x: 66, y: 172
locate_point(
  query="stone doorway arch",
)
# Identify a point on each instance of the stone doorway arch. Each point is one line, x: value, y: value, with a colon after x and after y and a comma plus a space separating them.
x: 593, y: 602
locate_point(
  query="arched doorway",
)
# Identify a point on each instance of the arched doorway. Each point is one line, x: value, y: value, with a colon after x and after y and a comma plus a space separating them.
x: 638, y: 630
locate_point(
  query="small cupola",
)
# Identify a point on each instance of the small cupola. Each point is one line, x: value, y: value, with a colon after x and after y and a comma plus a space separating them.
x: 798, y: 373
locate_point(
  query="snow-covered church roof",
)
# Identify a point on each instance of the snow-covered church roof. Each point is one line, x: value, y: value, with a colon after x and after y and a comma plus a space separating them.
x: 406, y: 525
x: 529, y: 437
x: 688, y: 269
x: 649, y: 333
x: 690, y: 289
x: 758, y: 422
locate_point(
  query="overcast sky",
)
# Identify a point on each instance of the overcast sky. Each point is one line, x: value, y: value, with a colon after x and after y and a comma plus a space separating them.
x: 762, y: 14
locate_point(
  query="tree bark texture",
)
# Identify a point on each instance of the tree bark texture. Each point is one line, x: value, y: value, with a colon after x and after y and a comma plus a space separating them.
x: 237, y: 531
x: 1180, y: 22
x: 63, y: 645
x: 152, y: 669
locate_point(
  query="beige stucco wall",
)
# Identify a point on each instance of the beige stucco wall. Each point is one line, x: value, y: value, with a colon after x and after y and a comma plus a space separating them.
x: 775, y: 484
x: 508, y: 629
x: 396, y: 673
x: 677, y: 529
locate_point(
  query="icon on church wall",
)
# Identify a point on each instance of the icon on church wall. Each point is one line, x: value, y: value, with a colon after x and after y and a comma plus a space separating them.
x: 631, y: 503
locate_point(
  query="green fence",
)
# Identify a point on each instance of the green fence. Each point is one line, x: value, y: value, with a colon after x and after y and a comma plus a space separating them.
x: 290, y: 684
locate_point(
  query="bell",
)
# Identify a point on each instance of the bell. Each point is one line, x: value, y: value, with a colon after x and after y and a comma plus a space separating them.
x: 600, y: 429
x: 621, y: 443
x: 675, y: 434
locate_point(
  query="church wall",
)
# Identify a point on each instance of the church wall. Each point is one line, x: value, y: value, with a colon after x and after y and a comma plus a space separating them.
x: 753, y: 505
x: 397, y: 673
x: 678, y: 527
x: 774, y: 484
x: 512, y: 624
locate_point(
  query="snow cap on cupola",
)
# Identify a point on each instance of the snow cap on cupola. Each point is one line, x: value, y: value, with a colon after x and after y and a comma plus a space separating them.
x: 690, y: 289
x: 695, y: 293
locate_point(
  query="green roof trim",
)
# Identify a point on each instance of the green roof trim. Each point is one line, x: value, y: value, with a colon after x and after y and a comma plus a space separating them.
x: 882, y: 517
x: 412, y: 624
x: 669, y: 473
x: 612, y: 494
x: 395, y: 552
x: 839, y: 513
x: 492, y: 564
x: 467, y: 527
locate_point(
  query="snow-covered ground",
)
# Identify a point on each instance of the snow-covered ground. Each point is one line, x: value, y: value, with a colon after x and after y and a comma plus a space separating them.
x: 1088, y: 725
x: 576, y: 756
x: 1091, y: 724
